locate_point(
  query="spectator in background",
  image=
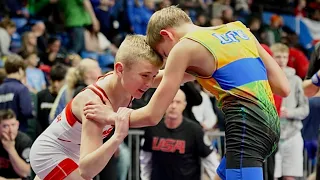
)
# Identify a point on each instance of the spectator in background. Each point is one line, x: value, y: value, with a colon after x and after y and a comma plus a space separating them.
x: 193, y: 98
x: 29, y: 44
x: 17, y: 8
x: 227, y: 15
x: 311, y: 86
x: 39, y: 30
x: 77, y: 78
x: 35, y: 77
x: 78, y: 14
x: 14, y: 149
x: 202, y: 20
x: 3, y: 75
x: 141, y: 15
x: 274, y: 31
x: 294, y: 108
x: 164, y: 3
x: 96, y: 42
x: 188, y: 149
x: 257, y: 30
x: 7, y: 28
x: 300, y: 9
x: 216, y: 22
x: 13, y: 93
x: 74, y: 60
x: 103, y: 11
x: 204, y: 113
x: 46, y: 97
x: 53, y: 53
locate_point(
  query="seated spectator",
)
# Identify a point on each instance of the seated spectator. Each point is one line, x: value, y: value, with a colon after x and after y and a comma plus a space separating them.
x: 29, y: 45
x: 98, y: 43
x: 7, y: 28
x: 176, y: 147
x: 46, y: 97
x: 14, y: 94
x: 39, y: 30
x: 53, y: 53
x: 77, y: 78
x: 14, y: 149
x: 35, y: 77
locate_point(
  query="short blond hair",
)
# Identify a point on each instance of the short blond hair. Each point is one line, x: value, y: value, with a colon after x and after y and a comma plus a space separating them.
x: 168, y: 17
x: 135, y: 48
x: 279, y: 48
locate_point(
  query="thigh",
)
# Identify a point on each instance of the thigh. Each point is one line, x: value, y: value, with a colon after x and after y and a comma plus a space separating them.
x: 50, y: 161
x: 248, y: 143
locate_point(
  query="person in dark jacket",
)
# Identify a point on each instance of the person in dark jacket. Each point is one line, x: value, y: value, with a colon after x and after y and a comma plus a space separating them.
x: 14, y: 94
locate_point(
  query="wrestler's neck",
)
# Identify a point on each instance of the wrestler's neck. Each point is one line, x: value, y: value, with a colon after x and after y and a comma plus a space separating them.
x: 185, y: 29
x: 173, y: 123
x: 115, y: 90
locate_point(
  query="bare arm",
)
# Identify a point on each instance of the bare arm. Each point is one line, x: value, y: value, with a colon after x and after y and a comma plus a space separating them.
x: 186, y: 78
x: 277, y: 79
x: 309, y: 88
x: 88, y: 7
x: 177, y: 63
x: 94, y: 155
x: 19, y: 165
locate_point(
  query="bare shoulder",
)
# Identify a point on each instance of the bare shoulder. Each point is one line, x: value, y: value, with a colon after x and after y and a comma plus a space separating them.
x: 200, y: 56
x: 81, y: 100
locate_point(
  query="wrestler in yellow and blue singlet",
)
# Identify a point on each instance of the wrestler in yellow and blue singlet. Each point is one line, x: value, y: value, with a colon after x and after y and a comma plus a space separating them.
x: 241, y: 86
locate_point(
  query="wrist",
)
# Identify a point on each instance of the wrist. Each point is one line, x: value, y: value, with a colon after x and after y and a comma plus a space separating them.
x: 316, y: 80
x: 118, y: 138
x: 11, y: 150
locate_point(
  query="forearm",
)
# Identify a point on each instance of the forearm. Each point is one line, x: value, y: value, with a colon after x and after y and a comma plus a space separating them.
x: 88, y: 7
x: 309, y: 88
x: 142, y: 118
x: 298, y: 113
x: 186, y: 78
x: 93, y: 163
x: 18, y: 164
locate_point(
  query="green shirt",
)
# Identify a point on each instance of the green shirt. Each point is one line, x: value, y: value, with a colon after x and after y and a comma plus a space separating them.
x: 74, y: 13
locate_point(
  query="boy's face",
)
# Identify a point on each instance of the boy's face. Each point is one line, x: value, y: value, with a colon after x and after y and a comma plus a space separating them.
x: 33, y: 60
x: 56, y: 86
x: 164, y: 48
x: 281, y: 58
x: 138, y: 77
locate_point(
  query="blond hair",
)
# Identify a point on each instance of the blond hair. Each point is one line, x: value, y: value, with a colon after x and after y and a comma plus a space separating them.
x: 279, y: 48
x: 135, y: 48
x: 77, y: 74
x: 168, y: 17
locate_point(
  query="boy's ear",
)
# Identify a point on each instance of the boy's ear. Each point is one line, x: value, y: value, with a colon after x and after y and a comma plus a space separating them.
x: 166, y: 34
x: 118, y: 68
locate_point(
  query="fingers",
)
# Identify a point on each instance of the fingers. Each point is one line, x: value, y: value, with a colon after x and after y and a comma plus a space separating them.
x: 93, y: 103
x: 6, y: 136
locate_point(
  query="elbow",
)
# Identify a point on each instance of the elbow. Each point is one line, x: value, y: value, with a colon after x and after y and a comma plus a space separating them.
x: 25, y: 173
x: 84, y: 173
x: 285, y: 91
x: 153, y: 120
